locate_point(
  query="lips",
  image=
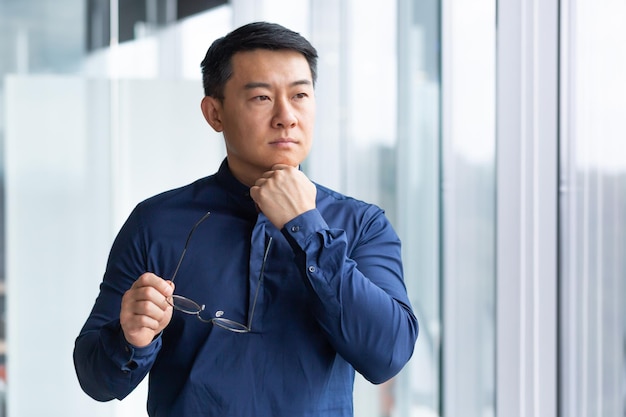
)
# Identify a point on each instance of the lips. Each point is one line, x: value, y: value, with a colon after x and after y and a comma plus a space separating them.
x: 283, y: 141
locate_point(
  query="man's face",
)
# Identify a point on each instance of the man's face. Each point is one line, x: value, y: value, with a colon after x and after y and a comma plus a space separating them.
x: 267, y: 114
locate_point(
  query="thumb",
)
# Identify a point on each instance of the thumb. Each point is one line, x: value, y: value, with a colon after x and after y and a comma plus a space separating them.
x: 168, y: 288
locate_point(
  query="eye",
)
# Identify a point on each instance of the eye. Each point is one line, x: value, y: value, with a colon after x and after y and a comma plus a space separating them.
x: 300, y: 96
x: 260, y: 98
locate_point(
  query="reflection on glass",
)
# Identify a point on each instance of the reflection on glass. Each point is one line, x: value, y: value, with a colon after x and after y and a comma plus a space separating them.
x: 417, y: 172
x: 593, y: 212
x: 468, y: 202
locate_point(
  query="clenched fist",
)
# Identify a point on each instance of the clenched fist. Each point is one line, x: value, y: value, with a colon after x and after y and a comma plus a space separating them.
x: 283, y: 193
x: 145, y: 311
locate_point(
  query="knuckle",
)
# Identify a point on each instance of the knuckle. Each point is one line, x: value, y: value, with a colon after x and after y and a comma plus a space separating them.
x: 145, y: 321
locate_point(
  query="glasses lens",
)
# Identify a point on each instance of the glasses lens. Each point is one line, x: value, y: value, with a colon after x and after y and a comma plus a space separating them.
x: 233, y: 326
x: 186, y: 305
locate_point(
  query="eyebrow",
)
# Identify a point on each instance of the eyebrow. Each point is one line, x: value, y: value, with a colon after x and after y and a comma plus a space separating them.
x: 253, y: 85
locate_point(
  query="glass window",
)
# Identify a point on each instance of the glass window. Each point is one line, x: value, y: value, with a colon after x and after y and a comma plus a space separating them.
x: 378, y: 139
x: 468, y: 208
x: 418, y: 196
x: 383, y: 118
x: 593, y: 210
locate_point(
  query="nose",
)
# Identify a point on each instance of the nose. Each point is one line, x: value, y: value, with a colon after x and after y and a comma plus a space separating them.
x: 284, y: 115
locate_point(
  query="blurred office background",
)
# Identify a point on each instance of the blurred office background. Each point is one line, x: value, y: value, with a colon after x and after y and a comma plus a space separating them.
x: 491, y: 131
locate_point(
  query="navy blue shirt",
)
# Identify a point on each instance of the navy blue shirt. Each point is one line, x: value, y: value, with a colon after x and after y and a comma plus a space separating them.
x: 332, y: 300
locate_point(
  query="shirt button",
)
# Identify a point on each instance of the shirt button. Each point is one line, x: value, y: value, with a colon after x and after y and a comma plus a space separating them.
x: 311, y: 269
x: 295, y: 228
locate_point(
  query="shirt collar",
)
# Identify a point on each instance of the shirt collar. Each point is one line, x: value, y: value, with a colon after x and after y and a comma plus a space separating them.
x: 237, y: 191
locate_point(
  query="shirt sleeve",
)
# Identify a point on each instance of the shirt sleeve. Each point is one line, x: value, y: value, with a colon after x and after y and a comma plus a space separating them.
x: 107, y: 365
x: 357, y: 289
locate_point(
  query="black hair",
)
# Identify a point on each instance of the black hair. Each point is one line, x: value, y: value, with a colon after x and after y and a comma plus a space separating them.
x: 217, y: 64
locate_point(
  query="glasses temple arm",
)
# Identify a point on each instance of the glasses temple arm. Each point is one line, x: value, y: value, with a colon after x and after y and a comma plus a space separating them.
x: 182, y: 256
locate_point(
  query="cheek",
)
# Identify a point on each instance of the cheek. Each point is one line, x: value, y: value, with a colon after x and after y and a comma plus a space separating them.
x: 309, y: 123
x: 309, y: 116
x: 249, y: 120
x: 241, y: 125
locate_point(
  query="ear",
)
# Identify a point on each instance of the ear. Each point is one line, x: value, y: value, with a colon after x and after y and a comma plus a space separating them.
x: 212, y: 111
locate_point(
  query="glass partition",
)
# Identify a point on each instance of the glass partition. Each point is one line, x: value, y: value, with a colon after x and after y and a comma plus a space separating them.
x: 593, y: 210
x: 468, y: 200
x: 418, y: 177
x: 69, y: 186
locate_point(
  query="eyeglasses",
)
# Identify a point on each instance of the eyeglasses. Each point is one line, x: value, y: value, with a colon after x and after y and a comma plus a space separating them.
x: 188, y: 306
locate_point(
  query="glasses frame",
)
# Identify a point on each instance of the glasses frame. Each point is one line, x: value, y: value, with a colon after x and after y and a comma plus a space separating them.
x: 188, y: 306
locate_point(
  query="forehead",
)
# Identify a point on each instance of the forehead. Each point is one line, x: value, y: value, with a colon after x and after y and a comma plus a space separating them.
x: 267, y: 66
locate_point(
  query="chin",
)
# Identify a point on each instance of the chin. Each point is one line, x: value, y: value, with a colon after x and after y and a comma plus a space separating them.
x: 287, y: 161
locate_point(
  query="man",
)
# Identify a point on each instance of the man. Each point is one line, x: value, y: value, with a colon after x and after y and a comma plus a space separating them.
x: 251, y: 292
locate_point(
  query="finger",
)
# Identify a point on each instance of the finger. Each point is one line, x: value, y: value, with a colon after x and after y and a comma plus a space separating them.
x: 145, y: 300
x: 152, y: 310
x: 150, y: 280
x: 156, y: 298
x: 172, y: 288
x: 145, y: 314
x: 141, y: 321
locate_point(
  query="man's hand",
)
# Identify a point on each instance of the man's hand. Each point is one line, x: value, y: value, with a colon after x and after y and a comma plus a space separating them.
x: 145, y: 311
x: 283, y: 194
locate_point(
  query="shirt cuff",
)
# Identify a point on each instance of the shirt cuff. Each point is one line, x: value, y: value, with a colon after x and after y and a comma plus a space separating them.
x: 125, y: 355
x: 301, y: 229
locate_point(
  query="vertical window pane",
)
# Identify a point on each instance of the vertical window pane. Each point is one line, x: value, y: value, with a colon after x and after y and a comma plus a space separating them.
x: 593, y: 205
x: 417, y: 173
x: 468, y: 208
x: 369, y: 91
x: 384, y: 113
